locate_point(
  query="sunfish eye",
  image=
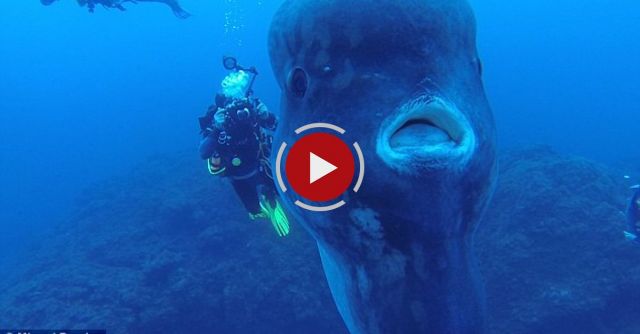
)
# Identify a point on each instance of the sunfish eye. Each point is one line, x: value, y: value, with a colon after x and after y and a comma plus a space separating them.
x: 298, y: 82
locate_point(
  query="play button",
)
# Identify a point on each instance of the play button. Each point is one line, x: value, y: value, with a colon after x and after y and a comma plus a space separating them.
x: 320, y: 167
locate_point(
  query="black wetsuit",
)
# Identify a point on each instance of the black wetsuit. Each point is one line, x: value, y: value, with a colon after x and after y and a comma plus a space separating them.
x: 91, y: 4
x: 242, y: 147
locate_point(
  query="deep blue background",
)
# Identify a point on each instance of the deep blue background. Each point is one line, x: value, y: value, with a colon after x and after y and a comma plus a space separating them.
x: 85, y: 97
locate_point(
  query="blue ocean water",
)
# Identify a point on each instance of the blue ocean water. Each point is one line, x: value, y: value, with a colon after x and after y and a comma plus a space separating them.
x: 85, y: 97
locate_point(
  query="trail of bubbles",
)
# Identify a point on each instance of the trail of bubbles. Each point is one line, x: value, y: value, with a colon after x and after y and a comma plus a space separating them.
x: 234, y: 19
x: 234, y: 16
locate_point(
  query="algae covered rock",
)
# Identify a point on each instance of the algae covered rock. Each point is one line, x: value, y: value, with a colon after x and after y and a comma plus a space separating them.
x: 167, y: 248
x: 552, y: 250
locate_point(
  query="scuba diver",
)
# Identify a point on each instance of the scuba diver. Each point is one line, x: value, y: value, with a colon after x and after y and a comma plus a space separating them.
x: 236, y: 145
x: 633, y: 217
x: 117, y: 4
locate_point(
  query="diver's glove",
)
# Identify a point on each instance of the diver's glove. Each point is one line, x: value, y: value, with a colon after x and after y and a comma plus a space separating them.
x: 267, y: 119
x: 220, y: 118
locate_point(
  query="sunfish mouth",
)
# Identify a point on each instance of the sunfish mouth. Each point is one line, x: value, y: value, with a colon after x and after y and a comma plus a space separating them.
x: 416, y: 133
x: 426, y: 131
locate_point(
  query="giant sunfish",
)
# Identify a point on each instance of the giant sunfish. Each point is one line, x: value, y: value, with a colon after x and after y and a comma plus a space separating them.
x: 403, y: 78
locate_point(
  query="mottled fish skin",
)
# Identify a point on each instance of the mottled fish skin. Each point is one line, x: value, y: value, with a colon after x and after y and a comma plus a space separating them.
x: 398, y: 256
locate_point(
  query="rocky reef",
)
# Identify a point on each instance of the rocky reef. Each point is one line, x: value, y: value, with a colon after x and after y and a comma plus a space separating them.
x: 167, y: 249
x: 552, y: 250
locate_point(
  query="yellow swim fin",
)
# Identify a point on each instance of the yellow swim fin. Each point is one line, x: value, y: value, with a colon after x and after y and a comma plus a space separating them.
x: 277, y: 216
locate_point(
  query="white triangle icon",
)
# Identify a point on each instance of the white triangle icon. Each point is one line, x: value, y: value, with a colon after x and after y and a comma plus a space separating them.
x: 319, y: 168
